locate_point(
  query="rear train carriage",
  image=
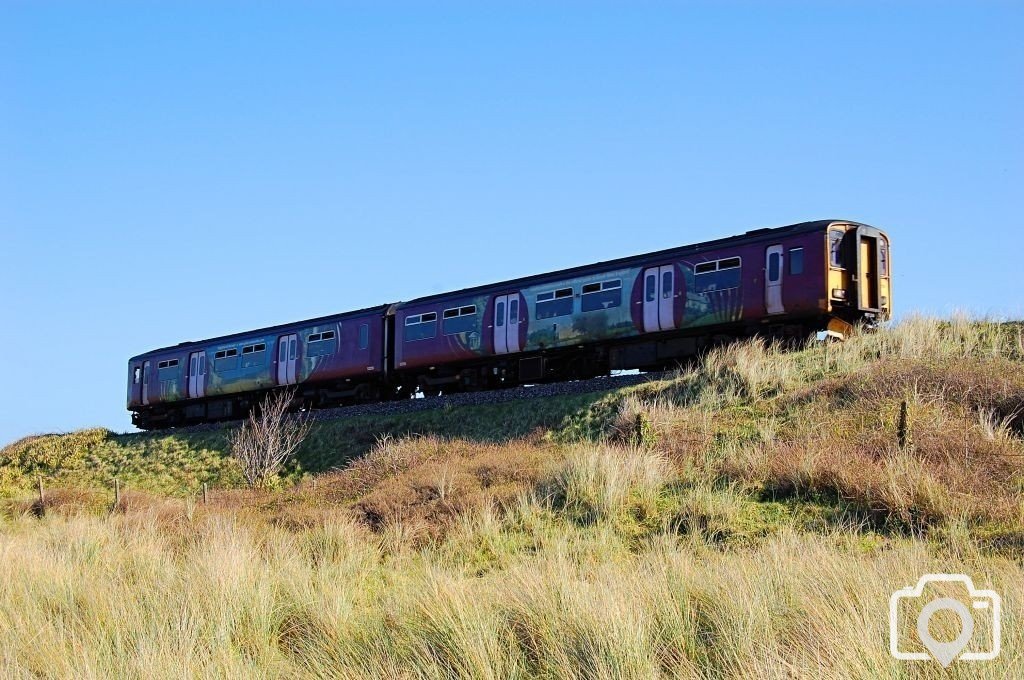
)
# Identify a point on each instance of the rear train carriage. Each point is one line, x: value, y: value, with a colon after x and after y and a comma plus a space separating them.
x: 328, y: 360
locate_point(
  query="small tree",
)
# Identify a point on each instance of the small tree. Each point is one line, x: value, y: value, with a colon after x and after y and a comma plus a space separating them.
x: 268, y: 438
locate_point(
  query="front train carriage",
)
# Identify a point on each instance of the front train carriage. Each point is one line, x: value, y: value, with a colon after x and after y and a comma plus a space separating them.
x: 647, y: 311
x: 327, y: 361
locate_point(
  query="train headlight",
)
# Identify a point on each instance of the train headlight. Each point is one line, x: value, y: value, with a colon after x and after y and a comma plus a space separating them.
x: 839, y: 293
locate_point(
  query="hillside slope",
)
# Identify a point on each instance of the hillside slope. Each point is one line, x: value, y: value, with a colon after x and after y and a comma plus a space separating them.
x: 748, y: 516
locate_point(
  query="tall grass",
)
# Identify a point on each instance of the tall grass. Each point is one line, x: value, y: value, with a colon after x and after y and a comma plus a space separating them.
x: 232, y: 596
x: 748, y: 517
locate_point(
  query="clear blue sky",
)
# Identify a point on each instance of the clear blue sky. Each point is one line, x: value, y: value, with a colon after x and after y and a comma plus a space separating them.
x: 170, y: 171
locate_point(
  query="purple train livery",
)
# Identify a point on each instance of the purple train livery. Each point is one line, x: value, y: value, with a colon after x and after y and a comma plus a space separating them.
x: 643, y: 312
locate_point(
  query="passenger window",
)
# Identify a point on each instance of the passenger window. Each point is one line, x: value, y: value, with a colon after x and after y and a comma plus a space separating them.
x: 555, y: 303
x: 202, y: 364
x: 883, y: 260
x: 364, y: 336
x: 836, y: 248
x: 513, y: 310
x: 138, y: 375
x: 281, y: 356
x: 650, y: 288
x: 773, y: 267
x: 796, y: 261
x: 500, y: 314
x: 666, y: 285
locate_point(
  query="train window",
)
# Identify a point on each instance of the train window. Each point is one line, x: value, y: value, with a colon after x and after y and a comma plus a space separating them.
x: 513, y: 310
x: 137, y: 375
x: 499, y: 313
x: 202, y: 364
x: 254, y: 355
x: 420, y: 326
x: 320, y: 344
x: 459, y: 320
x: 554, y: 303
x: 651, y: 288
x: 603, y: 295
x: 883, y: 259
x: 313, y: 337
x: 666, y: 285
x: 327, y: 335
x: 836, y: 248
x: 773, y: 267
x: 718, y: 275
x: 170, y: 363
x: 728, y: 263
x: 282, y: 355
x: 364, y: 336
x: 225, y: 360
x: 796, y: 261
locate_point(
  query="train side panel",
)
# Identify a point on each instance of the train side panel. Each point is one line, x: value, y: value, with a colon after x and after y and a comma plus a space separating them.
x: 718, y: 287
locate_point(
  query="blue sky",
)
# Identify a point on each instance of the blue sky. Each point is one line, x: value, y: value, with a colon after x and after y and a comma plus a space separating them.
x: 170, y: 171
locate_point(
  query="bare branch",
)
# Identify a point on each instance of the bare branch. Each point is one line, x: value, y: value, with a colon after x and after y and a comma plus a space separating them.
x: 269, y: 438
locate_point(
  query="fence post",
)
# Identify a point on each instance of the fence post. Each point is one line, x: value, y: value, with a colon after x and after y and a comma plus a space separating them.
x: 42, y: 497
x: 206, y: 498
x: 903, y: 427
x: 117, y: 492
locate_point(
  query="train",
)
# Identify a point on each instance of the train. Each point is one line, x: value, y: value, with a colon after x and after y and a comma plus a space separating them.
x: 646, y: 312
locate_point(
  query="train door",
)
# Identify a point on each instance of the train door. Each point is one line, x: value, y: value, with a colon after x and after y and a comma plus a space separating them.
x: 287, y: 353
x: 145, y: 384
x: 197, y: 375
x: 659, y: 298
x: 867, y: 277
x: 773, y: 280
x: 506, y: 323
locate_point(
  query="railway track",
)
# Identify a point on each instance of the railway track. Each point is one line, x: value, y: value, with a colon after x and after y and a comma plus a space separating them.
x: 387, y: 408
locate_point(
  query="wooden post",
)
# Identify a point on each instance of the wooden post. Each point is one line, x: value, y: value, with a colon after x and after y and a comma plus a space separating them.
x: 117, y: 492
x: 314, y: 483
x: 42, y: 498
x: 903, y: 427
x: 206, y: 498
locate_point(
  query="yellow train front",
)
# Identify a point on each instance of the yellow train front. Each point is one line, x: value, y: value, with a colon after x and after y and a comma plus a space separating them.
x: 859, y: 276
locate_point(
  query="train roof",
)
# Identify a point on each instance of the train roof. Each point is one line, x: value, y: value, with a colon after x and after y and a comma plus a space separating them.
x: 181, y: 346
x: 753, y: 236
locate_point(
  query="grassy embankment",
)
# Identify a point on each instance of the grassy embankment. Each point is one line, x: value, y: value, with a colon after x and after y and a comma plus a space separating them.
x: 749, y: 517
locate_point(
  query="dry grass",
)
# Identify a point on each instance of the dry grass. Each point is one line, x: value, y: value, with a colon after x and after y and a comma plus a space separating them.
x: 230, y: 595
x: 747, y: 518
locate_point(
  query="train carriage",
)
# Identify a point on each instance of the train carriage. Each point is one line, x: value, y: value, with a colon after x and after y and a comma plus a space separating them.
x: 328, y: 360
x: 646, y: 311
x: 642, y: 312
